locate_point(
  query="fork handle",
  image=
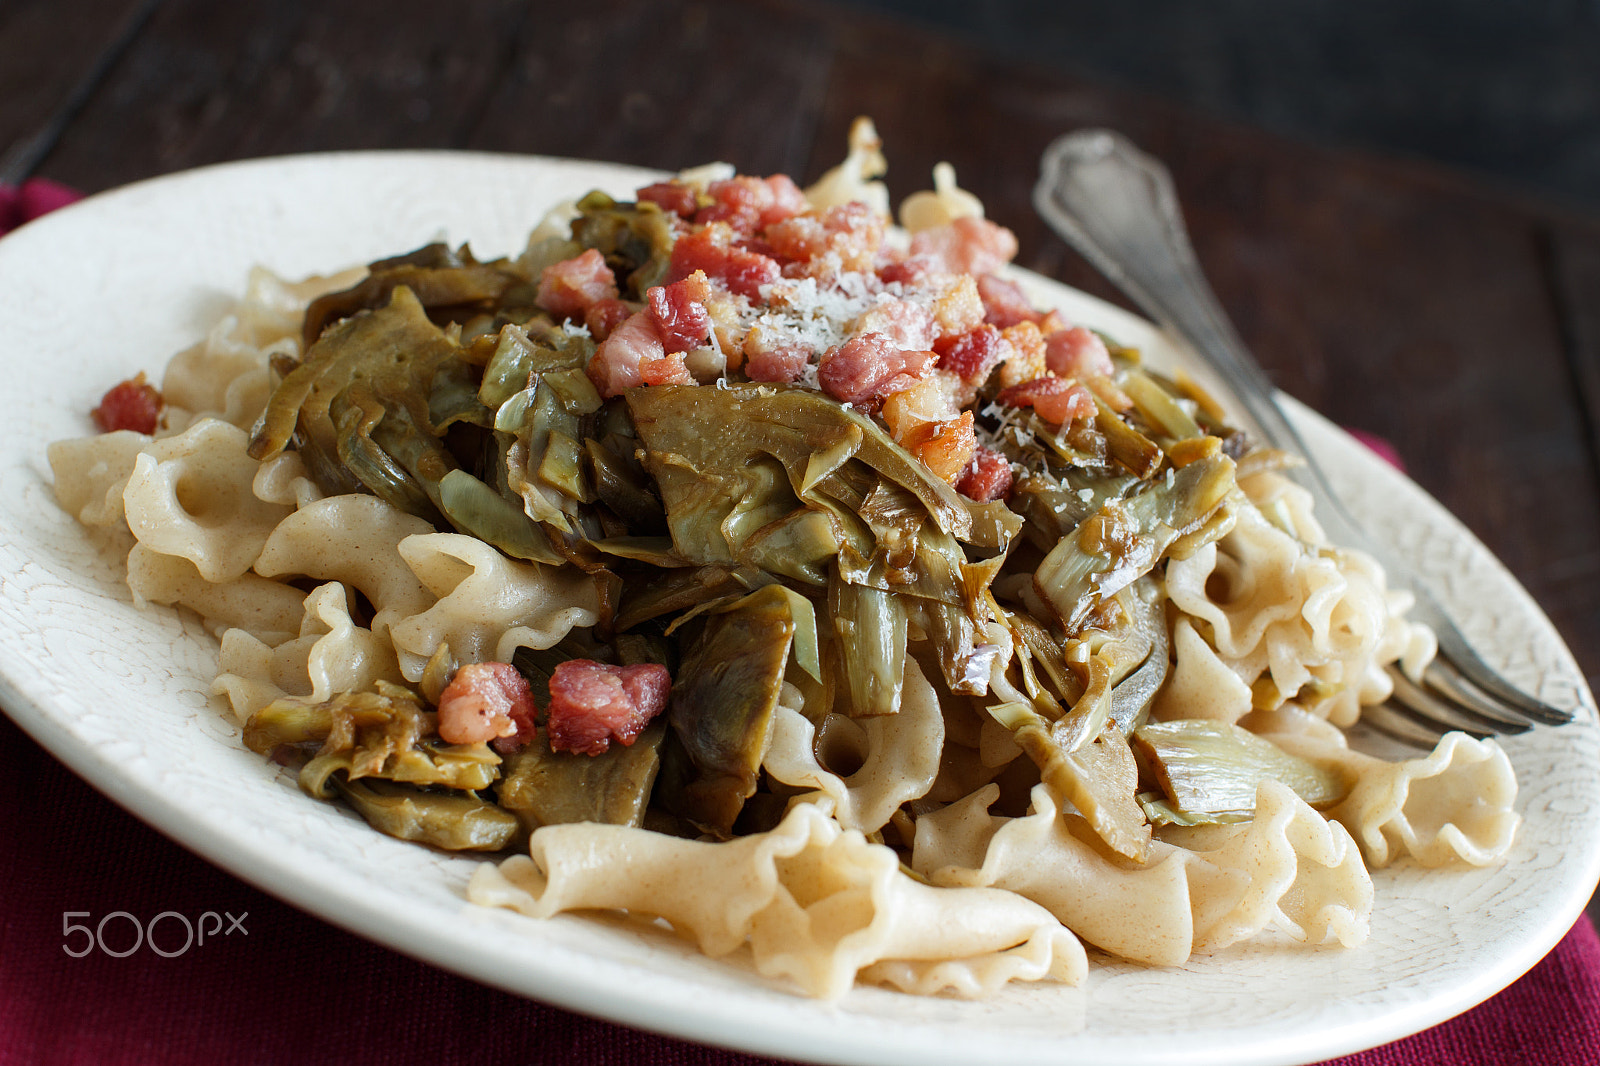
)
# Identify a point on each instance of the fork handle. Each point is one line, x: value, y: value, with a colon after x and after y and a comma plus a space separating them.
x: 1117, y: 207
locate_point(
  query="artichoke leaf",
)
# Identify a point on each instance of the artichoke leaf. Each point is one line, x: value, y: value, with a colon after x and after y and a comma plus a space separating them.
x: 364, y: 388
x: 1134, y: 451
x: 461, y: 766
x: 453, y: 397
x: 654, y: 551
x: 635, y: 238
x: 1158, y: 406
x: 718, y: 431
x: 1100, y: 778
x: 475, y: 508
x: 799, y: 545
x: 1149, y: 644
x: 382, y: 733
x: 619, y: 482
x: 384, y: 721
x: 667, y: 591
x: 1208, y: 767
x: 1052, y: 503
x: 1126, y: 538
x: 722, y: 709
x: 994, y: 524
x: 544, y: 420
x: 1162, y: 813
x: 440, y: 278
x: 545, y: 787
x: 561, y: 468
x: 355, y: 415
x: 455, y: 821
x: 872, y: 629
x: 524, y: 352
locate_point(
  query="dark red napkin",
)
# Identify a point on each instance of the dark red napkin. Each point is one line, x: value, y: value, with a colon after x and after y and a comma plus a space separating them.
x: 32, y: 198
x: 272, y: 984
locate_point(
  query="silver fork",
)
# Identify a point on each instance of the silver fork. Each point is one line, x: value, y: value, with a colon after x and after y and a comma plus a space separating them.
x: 1116, y: 206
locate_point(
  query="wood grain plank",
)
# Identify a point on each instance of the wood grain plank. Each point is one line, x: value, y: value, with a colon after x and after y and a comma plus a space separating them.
x: 211, y: 82
x: 670, y: 85
x: 44, y: 49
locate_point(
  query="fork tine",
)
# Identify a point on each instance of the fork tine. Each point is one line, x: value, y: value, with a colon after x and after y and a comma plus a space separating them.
x: 1441, y: 707
x: 1470, y: 669
x: 1408, y: 726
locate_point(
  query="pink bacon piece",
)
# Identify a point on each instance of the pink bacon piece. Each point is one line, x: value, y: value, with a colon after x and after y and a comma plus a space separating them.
x: 133, y: 404
x: 593, y: 704
x: 679, y: 312
x: 1004, y: 303
x: 852, y: 231
x: 669, y: 196
x: 487, y: 701
x: 1077, y: 353
x: 1056, y: 400
x: 569, y: 288
x: 749, y: 204
x: 714, y: 250
x: 966, y: 246
x: 604, y: 317
x: 868, y: 368
x: 987, y: 478
x: 972, y: 355
x: 785, y: 363
x: 614, y: 367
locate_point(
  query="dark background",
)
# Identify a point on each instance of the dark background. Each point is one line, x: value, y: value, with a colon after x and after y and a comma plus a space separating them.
x: 1506, y: 89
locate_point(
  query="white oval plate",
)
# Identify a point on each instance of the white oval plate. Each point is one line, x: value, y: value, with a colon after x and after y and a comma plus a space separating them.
x: 118, y: 283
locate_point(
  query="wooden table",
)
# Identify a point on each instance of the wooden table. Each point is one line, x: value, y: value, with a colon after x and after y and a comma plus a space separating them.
x: 1458, y: 322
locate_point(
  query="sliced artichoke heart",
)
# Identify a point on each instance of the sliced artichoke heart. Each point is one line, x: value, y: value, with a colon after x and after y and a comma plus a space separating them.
x: 1208, y: 767
x: 1126, y: 538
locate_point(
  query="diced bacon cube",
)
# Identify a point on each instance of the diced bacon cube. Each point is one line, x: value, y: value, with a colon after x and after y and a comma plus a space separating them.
x: 945, y: 448
x: 713, y: 250
x: 907, y: 270
x: 669, y: 369
x: 1004, y: 303
x: 910, y: 326
x: 852, y: 231
x: 974, y: 354
x: 936, y: 398
x: 593, y: 704
x: 487, y: 701
x: 867, y: 368
x: 605, y: 316
x: 784, y: 362
x: 1055, y: 400
x: 133, y: 404
x: 787, y: 200
x: 670, y: 196
x: 679, y: 312
x: 800, y: 238
x: 614, y: 367
x: 1077, y: 353
x: 959, y: 309
x: 966, y: 246
x: 1025, y: 360
x: 749, y: 204
x: 567, y: 289
x: 987, y: 477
